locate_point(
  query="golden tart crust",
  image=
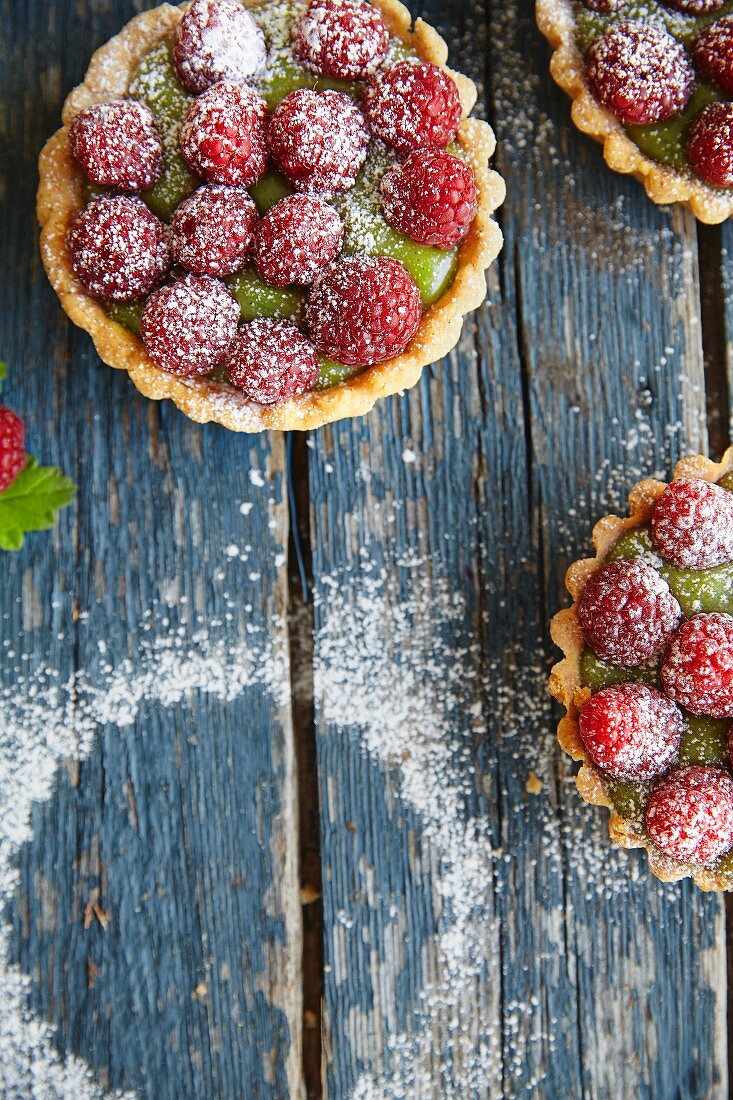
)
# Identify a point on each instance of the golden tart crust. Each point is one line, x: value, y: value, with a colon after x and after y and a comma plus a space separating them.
x: 60, y: 199
x: 663, y: 185
x: 565, y: 679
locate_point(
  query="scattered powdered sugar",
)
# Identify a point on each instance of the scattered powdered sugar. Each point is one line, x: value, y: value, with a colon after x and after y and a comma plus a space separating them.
x: 43, y: 721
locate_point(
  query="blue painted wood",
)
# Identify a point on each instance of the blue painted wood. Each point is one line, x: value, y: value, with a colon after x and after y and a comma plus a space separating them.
x: 181, y: 826
x: 597, y: 980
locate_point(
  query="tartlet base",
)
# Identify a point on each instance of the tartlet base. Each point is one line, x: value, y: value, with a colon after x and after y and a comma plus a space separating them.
x: 60, y: 199
x: 565, y: 681
x: 663, y: 184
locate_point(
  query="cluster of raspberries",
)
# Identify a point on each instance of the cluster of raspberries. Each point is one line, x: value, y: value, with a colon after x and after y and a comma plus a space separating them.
x: 633, y: 731
x: 360, y: 310
x: 644, y: 75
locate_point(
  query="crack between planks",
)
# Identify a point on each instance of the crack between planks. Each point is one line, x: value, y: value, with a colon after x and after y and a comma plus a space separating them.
x: 301, y: 636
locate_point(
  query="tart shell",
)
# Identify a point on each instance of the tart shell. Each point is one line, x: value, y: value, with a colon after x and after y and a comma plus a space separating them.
x: 201, y: 399
x: 565, y: 679
x: 663, y: 184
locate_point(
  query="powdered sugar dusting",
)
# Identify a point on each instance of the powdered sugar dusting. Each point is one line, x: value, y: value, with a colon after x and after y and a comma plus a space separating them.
x: 217, y: 40
x: 44, y: 720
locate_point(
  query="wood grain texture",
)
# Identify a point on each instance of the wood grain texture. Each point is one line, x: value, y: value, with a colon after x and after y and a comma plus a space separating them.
x: 182, y: 826
x: 584, y: 373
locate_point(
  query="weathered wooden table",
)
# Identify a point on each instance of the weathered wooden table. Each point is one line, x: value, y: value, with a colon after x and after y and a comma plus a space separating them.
x: 252, y: 844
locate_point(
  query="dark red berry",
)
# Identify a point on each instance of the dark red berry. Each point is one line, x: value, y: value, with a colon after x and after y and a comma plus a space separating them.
x: 118, y: 248
x: 713, y: 53
x: 695, y: 7
x: 412, y: 105
x: 697, y: 671
x: 118, y: 145
x: 12, y: 447
x: 211, y: 232
x: 689, y: 815
x: 692, y: 524
x: 430, y: 197
x: 710, y: 145
x: 345, y: 39
x: 271, y: 361
x: 296, y: 238
x: 631, y: 731
x: 363, y: 310
x: 627, y: 612
x: 223, y: 135
x: 189, y: 326
x: 318, y: 140
x: 640, y: 73
x: 217, y: 40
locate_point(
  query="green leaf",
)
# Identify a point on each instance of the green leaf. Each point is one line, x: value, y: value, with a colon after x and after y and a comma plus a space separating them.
x: 31, y: 502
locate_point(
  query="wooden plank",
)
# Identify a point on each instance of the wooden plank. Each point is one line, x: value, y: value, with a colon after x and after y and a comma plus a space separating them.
x: 481, y: 486
x: 156, y: 908
x: 608, y: 294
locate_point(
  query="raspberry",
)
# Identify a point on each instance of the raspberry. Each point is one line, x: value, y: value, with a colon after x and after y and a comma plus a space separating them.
x: 271, y: 361
x: 411, y: 105
x: 697, y: 671
x: 189, y: 326
x: 713, y: 54
x: 689, y: 815
x: 118, y: 248
x: 118, y: 145
x: 222, y: 137
x: 12, y: 447
x: 430, y: 197
x: 631, y: 731
x: 295, y: 239
x: 627, y: 612
x: 692, y: 524
x: 318, y: 140
x: 345, y: 39
x: 604, y: 6
x: 217, y: 40
x: 211, y: 231
x: 710, y: 145
x: 695, y: 7
x: 363, y: 310
x: 640, y: 73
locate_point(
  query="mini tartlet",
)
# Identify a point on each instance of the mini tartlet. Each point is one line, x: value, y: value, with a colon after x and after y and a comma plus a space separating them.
x: 653, y: 83
x: 64, y: 192
x: 653, y: 732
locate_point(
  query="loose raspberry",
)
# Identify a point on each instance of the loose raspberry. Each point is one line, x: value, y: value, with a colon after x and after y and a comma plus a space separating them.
x: 12, y: 447
x: 695, y: 7
x: 118, y: 145
x: 345, y: 39
x: 710, y: 145
x: 217, y: 40
x: 713, y: 54
x: 689, y: 815
x: 211, y: 232
x: 318, y: 140
x: 412, y: 105
x: 271, y: 361
x: 118, y: 248
x: 295, y: 239
x: 631, y: 731
x: 627, y: 612
x: 189, y: 326
x: 697, y: 671
x: 692, y: 524
x: 363, y: 310
x: 640, y: 73
x: 223, y: 135
x: 430, y: 197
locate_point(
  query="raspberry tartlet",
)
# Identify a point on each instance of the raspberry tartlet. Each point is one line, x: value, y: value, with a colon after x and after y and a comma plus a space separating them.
x: 272, y: 213
x: 647, y: 676
x: 652, y: 80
